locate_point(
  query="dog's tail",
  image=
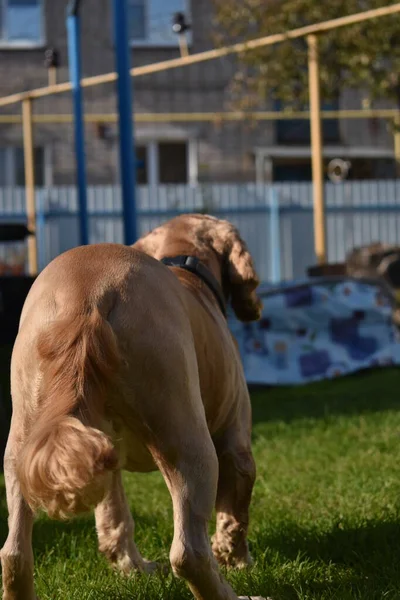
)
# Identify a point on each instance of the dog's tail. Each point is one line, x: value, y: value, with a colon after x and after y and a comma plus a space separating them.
x: 66, y: 463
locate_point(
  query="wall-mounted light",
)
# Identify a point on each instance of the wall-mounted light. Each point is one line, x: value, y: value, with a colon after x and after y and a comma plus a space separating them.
x: 338, y: 170
x: 180, y: 26
x: 51, y: 63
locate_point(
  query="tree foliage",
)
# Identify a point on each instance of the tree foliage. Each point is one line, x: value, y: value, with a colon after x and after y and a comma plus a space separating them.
x: 364, y: 56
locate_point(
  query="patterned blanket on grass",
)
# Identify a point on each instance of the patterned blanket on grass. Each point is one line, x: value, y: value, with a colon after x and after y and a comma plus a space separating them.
x: 318, y: 330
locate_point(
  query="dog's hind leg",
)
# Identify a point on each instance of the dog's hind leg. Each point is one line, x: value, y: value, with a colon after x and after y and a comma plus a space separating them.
x: 115, y: 530
x: 236, y: 479
x: 186, y: 456
x: 17, y: 555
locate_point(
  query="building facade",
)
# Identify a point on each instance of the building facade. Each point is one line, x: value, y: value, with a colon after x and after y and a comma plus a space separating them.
x: 170, y: 150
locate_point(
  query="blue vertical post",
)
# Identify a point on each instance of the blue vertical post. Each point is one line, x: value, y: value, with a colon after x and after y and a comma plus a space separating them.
x: 41, y: 232
x: 275, y: 236
x: 126, y: 130
x: 74, y: 55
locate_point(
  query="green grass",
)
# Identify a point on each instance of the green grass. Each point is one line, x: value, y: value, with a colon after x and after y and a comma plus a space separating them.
x: 325, y: 514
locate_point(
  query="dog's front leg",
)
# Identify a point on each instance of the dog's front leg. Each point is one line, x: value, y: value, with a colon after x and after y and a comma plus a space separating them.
x: 235, y: 484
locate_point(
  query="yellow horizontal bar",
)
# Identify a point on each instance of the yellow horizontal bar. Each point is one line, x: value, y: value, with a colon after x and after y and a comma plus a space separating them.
x: 211, y: 54
x: 269, y: 40
x: 389, y: 113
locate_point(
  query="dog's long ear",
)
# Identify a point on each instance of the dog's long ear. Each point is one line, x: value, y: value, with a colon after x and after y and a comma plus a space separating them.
x: 240, y: 273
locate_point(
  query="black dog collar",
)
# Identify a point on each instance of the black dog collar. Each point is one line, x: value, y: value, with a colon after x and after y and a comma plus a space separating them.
x: 193, y: 264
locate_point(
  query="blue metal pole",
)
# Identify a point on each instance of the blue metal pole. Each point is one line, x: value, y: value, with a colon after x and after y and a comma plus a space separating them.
x: 275, y: 236
x: 41, y: 232
x: 74, y: 54
x: 126, y: 129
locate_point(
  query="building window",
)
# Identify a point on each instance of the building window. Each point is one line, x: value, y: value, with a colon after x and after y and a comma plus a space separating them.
x: 142, y: 165
x: 150, y: 21
x: 21, y: 22
x: 3, y: 167
x: 137, y: 19
x: 299, y: 170
x: 297, y: 131
x: 12, y: 168
x: 173, y: 162
x: 20, y: 167
x: 166, y: 162
x: 293, y: 170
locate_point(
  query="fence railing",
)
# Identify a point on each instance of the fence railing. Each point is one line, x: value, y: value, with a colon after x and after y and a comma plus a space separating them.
x: 276, y: 220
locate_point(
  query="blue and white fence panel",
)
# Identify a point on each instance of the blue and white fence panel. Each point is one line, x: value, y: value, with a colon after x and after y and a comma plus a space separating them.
x: 276, y: 220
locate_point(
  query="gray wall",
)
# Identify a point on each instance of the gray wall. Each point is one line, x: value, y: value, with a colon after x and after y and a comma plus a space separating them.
x: 225, y: 151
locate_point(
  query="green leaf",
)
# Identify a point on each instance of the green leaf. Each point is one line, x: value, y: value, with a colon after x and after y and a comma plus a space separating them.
x: 366, y: 55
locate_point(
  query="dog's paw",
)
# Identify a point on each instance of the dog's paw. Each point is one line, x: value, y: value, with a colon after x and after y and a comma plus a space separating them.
x: 229, y: 554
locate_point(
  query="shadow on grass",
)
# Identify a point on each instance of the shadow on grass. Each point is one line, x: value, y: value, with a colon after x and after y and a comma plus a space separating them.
x: 356, y: 562
x: 363, y: 393
x: 369, y: 554
x: 372, y: 544
x: 46, y: 532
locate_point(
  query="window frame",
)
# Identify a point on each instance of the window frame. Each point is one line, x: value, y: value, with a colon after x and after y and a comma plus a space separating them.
x: 154, y: 43
x: 151, y: 145
x: 22, y: 44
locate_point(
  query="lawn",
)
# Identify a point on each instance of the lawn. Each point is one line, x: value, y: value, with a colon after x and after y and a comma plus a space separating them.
x: 325, y: 514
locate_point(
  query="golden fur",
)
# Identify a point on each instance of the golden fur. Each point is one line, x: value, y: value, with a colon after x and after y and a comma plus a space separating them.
x: 122, y: 363
x: 63, y: 465
x: 200, y: 233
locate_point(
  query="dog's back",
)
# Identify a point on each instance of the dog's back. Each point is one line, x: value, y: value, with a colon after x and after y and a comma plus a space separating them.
x: 110, y: 343
x: 89, y: 326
